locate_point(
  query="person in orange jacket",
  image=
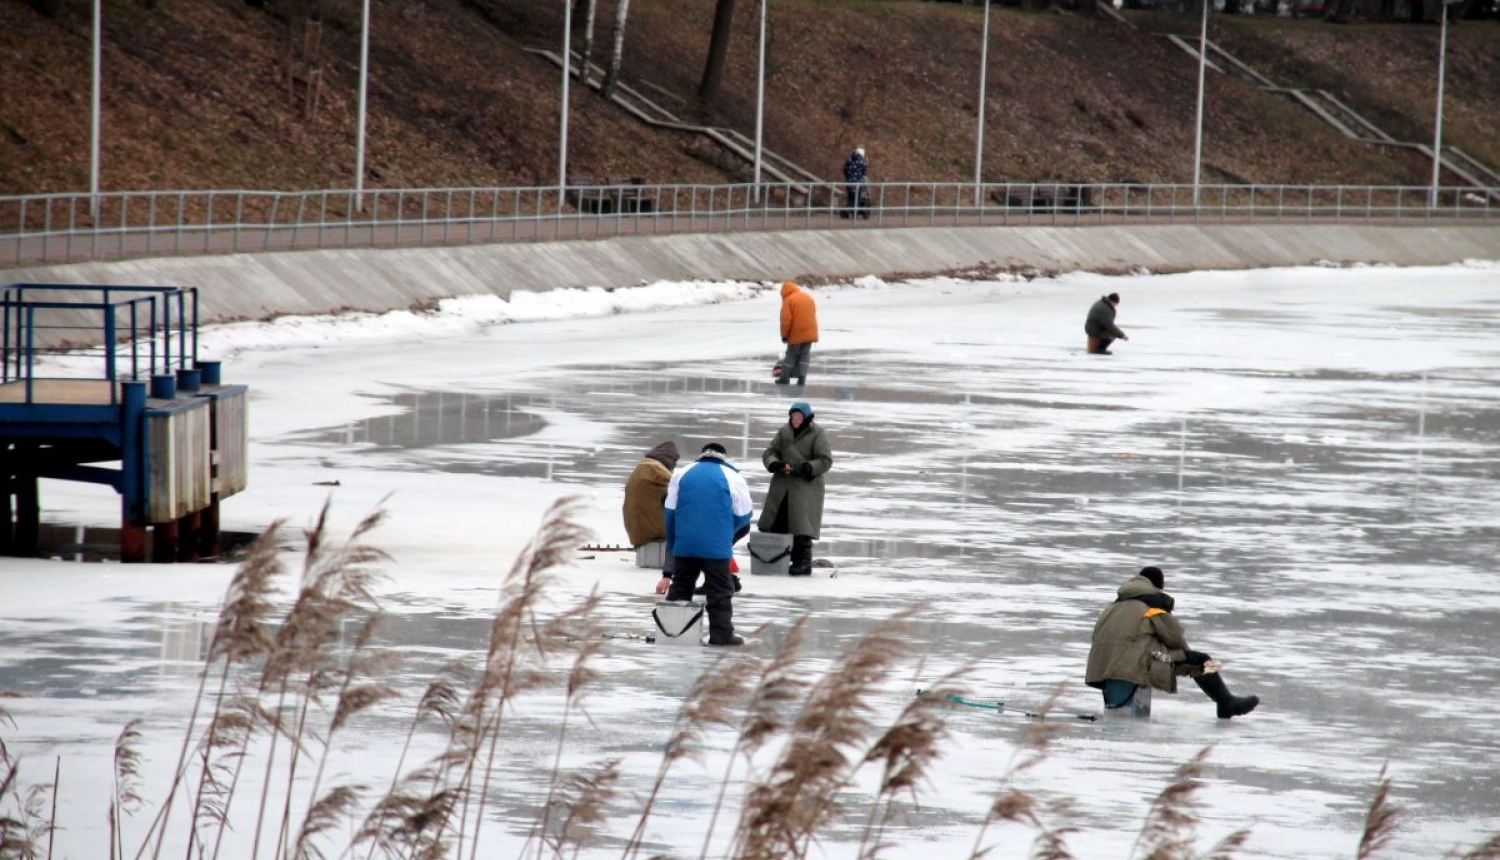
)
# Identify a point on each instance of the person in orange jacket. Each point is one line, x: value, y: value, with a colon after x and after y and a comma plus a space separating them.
x: 799, y: 331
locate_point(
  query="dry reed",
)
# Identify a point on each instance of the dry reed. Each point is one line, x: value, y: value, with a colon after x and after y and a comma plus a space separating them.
x: 799, y: 795
x: 587, y: 799
x: 710, y: 701
x: 1172, y: 820
x: 1381, y: 819
x: 906, y: 751
x: 779, y: 685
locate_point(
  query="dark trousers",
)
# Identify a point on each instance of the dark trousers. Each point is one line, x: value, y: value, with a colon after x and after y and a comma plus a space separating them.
x: 1098, y: 345
x: 802, y: 545
x: 794, y: 363
x: 857, y: 201
x: 718, y: 591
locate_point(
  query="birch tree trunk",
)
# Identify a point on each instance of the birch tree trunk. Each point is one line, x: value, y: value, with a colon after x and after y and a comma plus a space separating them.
x: 617, y: 54
x: 588, y: 42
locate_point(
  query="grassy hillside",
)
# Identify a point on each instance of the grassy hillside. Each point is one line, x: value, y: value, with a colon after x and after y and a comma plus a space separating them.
x: 217, y: 93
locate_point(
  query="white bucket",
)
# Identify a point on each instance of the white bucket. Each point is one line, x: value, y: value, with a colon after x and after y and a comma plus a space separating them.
x: 1138, y: 708
x: 652, y: 555
x: 770, y: 553
x: 678, y: 622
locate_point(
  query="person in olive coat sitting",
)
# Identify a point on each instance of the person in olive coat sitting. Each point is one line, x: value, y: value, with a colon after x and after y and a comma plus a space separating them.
x: 797, y: 458
x: 645, y: 495
x: 1138, y: 642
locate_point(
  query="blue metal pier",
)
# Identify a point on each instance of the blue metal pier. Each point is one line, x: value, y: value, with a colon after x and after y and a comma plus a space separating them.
x: 136, y: 410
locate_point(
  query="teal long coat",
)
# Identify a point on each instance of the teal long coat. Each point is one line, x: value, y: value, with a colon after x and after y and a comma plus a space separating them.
x: 805, y: 498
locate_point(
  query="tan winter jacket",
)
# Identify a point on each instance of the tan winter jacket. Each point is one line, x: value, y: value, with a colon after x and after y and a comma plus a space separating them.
x: 645, y: 520
x: 1137, y: 643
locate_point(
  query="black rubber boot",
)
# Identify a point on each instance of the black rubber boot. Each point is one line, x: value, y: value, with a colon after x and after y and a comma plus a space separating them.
x: 1229, y: 704
x: 801, y: 556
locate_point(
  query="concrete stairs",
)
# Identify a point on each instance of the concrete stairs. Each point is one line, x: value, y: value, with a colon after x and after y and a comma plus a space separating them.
x: 1349, y: 122
x: 776, y: 168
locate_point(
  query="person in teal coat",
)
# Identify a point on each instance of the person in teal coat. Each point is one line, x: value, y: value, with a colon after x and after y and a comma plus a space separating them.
x: 797, y: 458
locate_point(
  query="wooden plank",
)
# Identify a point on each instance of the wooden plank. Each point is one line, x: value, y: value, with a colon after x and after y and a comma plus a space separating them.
x: 231, y: 443
x: 178, y: 479
x: 87, y: 392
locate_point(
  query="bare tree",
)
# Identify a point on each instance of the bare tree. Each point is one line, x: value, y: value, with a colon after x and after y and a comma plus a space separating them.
x: 617, y: 54
x: 587, y: 52
x: 718, y: 53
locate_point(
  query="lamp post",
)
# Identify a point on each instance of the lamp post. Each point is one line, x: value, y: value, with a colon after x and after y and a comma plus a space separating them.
x: 1198, y: 125
x: 567, y: 67
x: 984, y: 65
x: 94, y: 120
x: 760, y: 98
x: 1437, y: 130
x: 364, y: 89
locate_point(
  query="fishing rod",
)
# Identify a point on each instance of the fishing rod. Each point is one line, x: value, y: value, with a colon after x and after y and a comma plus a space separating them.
x: 1002, y: 708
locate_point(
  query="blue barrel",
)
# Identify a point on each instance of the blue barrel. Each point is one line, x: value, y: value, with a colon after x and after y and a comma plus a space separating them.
x: 189, y: 380
x: 163, y: 386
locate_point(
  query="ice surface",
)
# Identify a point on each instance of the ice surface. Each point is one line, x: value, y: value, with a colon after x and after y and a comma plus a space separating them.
x: 1311, y: 454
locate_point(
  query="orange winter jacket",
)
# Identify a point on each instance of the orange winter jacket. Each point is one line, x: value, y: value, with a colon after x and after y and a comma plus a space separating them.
x: 799, y: 315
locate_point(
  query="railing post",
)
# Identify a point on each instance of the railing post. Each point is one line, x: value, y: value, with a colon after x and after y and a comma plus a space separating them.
x: 109, y: 350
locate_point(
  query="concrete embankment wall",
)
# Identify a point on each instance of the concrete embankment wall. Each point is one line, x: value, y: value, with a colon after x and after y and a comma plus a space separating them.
x: 260, y: 286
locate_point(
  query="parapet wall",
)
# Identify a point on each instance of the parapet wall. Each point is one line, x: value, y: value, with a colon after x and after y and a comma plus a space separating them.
x: 260, y: 286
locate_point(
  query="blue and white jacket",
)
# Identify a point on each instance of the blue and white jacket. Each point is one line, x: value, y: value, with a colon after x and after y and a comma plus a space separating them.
x: 708, y: 503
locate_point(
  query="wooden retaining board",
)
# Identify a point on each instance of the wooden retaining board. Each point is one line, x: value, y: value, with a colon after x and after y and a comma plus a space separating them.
x: 231, y: 439
x: 178, y: 476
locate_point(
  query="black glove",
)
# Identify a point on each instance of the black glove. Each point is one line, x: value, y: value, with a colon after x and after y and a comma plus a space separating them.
x: 737, y: 585
x: 776, y: 467
x: 804, y: 471
x: 1197, y: 658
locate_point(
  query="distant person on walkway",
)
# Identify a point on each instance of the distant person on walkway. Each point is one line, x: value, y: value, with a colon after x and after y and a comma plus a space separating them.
x: 797, y: 458
x: 645, y: 497
x: 1138, y: 642
x: 1100, y: 325
x: 799, y: 331
x: 707, y: 510
x: 855, y: 171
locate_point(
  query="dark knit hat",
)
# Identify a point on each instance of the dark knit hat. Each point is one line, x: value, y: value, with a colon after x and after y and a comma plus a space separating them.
x: 1154, y: 574
x: 1114, y: 298
x: 716, y: 448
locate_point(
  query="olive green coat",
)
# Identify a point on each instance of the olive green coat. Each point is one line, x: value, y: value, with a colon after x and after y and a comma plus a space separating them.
x: 1129, y: 633
x: 803, y: 497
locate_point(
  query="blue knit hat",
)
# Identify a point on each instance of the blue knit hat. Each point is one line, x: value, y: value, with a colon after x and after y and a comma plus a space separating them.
x: 802, y: 407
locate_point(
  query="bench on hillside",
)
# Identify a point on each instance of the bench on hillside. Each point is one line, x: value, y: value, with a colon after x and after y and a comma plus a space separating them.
x: 1060, y: 197
x: 611, y: 196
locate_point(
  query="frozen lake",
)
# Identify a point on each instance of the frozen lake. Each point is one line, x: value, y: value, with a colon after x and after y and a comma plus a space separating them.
x: 1312, y: 455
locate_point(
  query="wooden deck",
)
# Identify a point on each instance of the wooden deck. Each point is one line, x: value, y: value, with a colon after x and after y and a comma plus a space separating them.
x: 63, y: 392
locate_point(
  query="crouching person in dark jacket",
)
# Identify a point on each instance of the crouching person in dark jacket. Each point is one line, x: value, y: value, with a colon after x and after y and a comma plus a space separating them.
x: 1138, y: 642
x: 1100, y: 325
x: 707, y: 510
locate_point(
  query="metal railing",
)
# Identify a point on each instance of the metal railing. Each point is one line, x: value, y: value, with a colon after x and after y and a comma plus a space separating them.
x: 52, y: 228
x: 141, y: 331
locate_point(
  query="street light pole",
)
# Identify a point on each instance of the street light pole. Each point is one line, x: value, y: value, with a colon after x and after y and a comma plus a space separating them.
x: 94, y: 120
x: 984, y: 64
x: 364, y: 89
x: 567, y: 68
x: 1437, y: 131
x: 1202, y: 76
x: 760, y: 98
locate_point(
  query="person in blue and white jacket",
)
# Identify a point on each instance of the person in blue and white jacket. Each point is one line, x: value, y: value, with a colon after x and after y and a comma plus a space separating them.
x: 708, y: 509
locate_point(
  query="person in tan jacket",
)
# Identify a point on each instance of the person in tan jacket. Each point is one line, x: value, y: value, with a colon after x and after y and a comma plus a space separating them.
x: 799, y: 331
x: 1138, y: 642
x: 645, y: 493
